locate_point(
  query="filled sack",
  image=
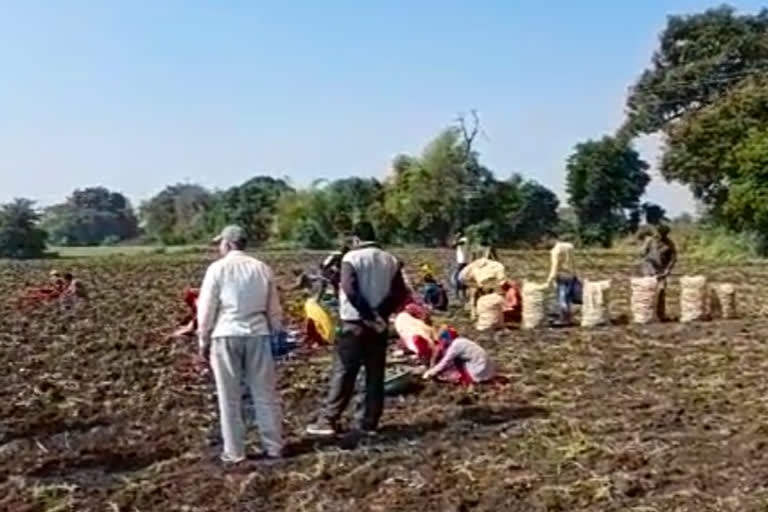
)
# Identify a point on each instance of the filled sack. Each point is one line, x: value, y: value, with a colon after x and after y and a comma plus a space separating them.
x: 533, y: 304
x: 724, y: 300
x: 645, y: 294
x: 693, y: 298
x: 595, y: 309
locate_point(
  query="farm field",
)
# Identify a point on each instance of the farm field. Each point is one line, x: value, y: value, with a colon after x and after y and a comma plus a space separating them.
x: 99, y: 411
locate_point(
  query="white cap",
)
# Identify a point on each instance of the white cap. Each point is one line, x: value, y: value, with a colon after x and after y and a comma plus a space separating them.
x: 231, y: 234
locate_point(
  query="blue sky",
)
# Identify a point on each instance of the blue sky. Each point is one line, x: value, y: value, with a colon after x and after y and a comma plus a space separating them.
x: 134, y: 95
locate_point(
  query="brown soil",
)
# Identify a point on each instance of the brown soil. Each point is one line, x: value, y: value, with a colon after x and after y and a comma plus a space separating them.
x: 99, y: 411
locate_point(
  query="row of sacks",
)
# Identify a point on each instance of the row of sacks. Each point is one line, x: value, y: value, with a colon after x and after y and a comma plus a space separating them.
x: 698, y: 301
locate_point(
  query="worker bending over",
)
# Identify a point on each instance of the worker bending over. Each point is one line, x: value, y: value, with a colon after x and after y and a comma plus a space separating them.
x: 463, y: 360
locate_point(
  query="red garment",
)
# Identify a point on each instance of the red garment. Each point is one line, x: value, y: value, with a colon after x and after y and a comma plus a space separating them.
x: 313, y: 336
x: 423, y: 348
x: 417, y: 311
x: 513, y: 302
x: 190, y: 298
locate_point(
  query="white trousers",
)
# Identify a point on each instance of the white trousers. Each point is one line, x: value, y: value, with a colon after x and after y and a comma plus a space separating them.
x: 248, y: 360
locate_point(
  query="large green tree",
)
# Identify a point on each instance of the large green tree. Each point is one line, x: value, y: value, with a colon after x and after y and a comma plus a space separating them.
x: 20, y: 236
x: 605, y: 180
x: 91, y: 216
x: 177, y: 214
x: 431, y: 196
x: 699, y: 59
x: 251, y: 205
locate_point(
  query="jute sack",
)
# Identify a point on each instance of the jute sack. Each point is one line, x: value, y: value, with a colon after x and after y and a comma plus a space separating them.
x: 533, y: 304
x: 645, y: 294
x: 595, y: 309
x: 693, y: 298
x: 724, y: 300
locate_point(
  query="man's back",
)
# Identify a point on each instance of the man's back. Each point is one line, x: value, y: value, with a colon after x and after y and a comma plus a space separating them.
x: 374, y: 271
x: 240, y: 288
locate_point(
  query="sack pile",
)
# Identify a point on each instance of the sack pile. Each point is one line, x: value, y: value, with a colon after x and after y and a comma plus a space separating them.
x: 724, y: 300
x: 533, y: 304
x: 693, y: 298
x: 595, y: 308
x: 645, y: 294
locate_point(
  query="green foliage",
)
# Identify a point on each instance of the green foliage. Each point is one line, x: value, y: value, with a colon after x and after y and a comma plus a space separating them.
x: 654, y: 214
x: 428, y: 195
x: 177, y: 215
x: 251, y: 206
x: 20, y: 236
x: 605, y: 180
x: 699, y: 59
x: 89, y: 217
x: 431, y: 197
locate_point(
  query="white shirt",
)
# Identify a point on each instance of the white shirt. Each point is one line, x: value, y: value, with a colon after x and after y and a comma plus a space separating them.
x: 375, y: 269
x: 474, y: 357
x: 461, y: 254
x: 238, y: 298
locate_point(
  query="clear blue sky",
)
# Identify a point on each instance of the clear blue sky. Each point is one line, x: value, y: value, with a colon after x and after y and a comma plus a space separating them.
x: 137, y: 94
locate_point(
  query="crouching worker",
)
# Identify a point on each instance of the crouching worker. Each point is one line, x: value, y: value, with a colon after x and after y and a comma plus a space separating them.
x: 238, y: 311
x: 319, y: 327
x: 189, y: 324
x: 417, y: 337
x: 513, y: 302
x: 463, y: 361
x: 433, y: 294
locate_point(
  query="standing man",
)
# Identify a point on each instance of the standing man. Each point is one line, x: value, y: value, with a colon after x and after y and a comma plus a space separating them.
x: 372, y: 288
x: 462, y: 260
x: 659, y: 258
x: 238, y: 310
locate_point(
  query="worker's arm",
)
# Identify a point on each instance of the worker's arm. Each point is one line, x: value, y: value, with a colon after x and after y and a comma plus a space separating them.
x: 398, y: 293
x: 207, y: 307
x: 646, y: 247
x: 274, y: 309
x: 447, y: 359
x: 351, y: 288
x: 672, y: 260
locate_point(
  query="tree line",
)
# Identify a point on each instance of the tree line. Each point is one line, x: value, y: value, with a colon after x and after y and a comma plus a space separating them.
x: 705, y: 91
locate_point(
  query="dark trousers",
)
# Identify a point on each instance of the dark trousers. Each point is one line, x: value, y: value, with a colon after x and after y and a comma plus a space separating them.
x: 358, y: 346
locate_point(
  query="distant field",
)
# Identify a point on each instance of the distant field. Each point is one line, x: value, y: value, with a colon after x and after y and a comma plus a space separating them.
x: 127, y: 250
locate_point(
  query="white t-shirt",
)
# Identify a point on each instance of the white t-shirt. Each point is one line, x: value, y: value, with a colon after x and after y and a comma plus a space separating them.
x: 474, y: 357
x: 461, y: 254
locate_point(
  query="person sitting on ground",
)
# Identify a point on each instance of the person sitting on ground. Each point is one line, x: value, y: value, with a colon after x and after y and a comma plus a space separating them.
x: 489, y: 309
x: 433, y: 294
x: 659, y: 256
x: 319, y: 327
x: 463, y: 361
x: 73, y: 287
x: 189, y: 324
x: 417, y: 337
x: 513, y: 302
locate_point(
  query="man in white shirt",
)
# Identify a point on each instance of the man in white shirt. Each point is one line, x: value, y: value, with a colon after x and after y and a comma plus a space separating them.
x: 372, y: 288
x: 462, y: 260
x: 238, y: 310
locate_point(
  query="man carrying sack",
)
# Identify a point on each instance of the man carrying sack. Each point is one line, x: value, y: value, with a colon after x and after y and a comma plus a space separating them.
x: 238, y: 310
x: 372, y: 288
